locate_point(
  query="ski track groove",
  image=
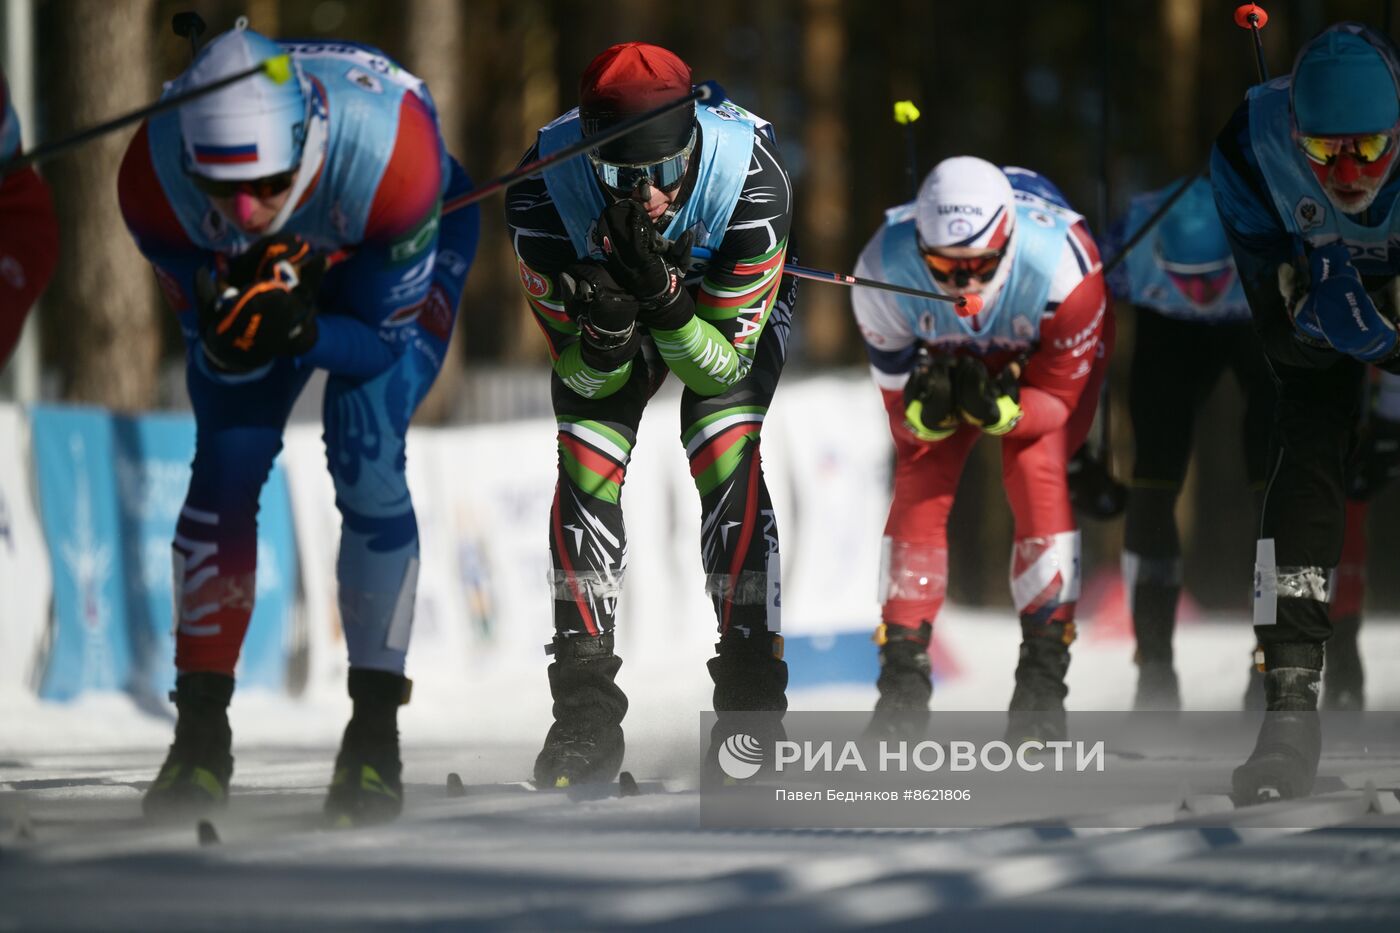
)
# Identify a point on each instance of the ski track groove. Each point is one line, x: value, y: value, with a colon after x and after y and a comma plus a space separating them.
x: 508, y: 857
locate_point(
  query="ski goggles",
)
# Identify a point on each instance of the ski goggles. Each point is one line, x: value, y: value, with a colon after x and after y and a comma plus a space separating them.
x: 622, y: 178
x: 266, y: 187
x: 946, y: 268
x: 1201, y: 283
x: 1367, y: 148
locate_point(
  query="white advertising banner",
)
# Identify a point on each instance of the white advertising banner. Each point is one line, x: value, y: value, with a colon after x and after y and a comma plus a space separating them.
x: 25, y: 580
x: 827, y: 455
x: 318, y: 540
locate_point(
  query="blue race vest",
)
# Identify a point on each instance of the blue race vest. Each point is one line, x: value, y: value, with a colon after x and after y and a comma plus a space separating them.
x: 357, y: 92
x: 726, y: 149
x: 1149, y: 284
x: 1011, y: 321
x: 1300, y: 200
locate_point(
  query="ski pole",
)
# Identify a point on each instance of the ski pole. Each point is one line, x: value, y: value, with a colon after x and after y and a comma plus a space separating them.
x: 710, y: 90
x: 278, y: 68
x: 1250, y: 16
x: 905, y: 113
x: 1103, y: 416
x: 1254, y: 17
x: 1151, y: 221
x: 967, y: 305
x: 189, y: 25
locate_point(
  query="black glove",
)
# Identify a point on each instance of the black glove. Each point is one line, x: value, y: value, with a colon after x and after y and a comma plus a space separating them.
x: 929, y: 411
x: 1376, y: 459
x: 261, y: 306
x: 605, y: 314
x: 1093, y: 492
x: 990, y: 402
x: 645, y: 264
x: 260, y: 263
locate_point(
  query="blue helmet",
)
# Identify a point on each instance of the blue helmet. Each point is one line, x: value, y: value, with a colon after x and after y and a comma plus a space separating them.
x: 1345, y: 83
x: 1190, y: 234
x: 252, y: 128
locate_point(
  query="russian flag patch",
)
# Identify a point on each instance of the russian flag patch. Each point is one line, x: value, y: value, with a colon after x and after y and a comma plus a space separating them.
x: 225, y: 155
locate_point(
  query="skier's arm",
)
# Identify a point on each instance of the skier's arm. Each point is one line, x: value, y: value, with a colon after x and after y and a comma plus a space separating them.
x: 543, y: 251
x: 1260, y: 243
x: 890, y: 342
x: 1056, y: 373
x: 28, y: 250
x: 158, y: 234
x: 715, y: 347
x: 391, y: 272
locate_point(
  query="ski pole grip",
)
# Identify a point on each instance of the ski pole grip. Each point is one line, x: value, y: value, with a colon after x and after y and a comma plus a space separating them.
x: 1251, y: 16
x: 278, y: 68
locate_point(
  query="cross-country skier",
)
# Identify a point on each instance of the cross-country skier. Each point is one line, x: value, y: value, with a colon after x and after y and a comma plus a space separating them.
x: 1026, y: 371
x: 28, y: 233
x: 237, y: 200
x: 1304, y: 180
x: 605, y: 245
x: 1192, y: 324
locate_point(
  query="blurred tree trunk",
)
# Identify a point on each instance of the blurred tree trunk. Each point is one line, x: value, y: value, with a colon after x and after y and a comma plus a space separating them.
x: 262, y: 16
x: 1181, y: 28
x: 523, y: 96
x: 823, y: 312
x: 100, y: 325
x: 434, y: 50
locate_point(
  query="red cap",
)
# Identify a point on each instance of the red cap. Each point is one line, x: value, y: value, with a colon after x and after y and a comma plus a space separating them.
x: 632, y: 77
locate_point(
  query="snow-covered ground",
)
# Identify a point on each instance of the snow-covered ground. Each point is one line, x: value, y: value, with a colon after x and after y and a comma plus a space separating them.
x: 74, y: 853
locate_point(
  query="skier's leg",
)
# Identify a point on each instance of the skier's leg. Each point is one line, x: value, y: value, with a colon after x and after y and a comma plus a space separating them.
x: 914, y: 575
x: 739, y: 530
x: 239, y: 422
x: 1175, y: 365
x: 377, y: 568
x: 1044, y: 581
x: 588, y: 545
x: 1251, y: 368
x: 1300, y: 543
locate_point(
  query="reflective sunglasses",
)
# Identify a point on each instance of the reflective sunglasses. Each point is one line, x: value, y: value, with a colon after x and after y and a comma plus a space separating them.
x: 267, y: 187
x: 1366, y: 149
x: 622, y: 178
x: 945, y: 268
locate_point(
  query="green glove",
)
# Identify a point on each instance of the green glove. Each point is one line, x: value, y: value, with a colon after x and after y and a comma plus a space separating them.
x: 929, y: 413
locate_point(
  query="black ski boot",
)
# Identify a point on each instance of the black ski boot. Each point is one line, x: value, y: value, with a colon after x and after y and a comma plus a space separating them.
x: 195, y: 777
x: 1037, y: 710
x: 1284, y: 761
x: 750, y: 695
x: 367, y: 785
x: 585, y: 743
x: 905, y: 682
x: 1343, y: 680
x: 1154, y: 620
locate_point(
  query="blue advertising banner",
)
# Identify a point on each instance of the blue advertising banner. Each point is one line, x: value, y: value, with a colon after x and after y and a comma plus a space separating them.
x: 91, y: 646
x: 153, y: 471
x: 110, y: 493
